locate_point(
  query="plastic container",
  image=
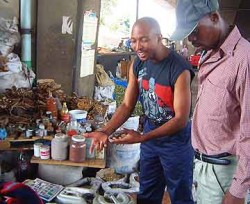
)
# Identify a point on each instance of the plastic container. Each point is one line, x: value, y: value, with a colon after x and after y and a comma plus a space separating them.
x: 88, y: 144
x: 37, y: 147
x: 77, y: 151
x: 79, y: 115
x: 59, y: 147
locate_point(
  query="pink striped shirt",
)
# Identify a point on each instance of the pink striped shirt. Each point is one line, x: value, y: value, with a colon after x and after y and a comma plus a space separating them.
x: 221, y: 120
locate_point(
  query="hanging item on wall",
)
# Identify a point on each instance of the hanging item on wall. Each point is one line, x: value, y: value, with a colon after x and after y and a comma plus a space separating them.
x: 90, y: 23
x: 89, y: 30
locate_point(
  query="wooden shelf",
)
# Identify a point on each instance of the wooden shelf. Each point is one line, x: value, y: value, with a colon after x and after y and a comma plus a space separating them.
x: 10, y: 143
x: 95, y: 163
x: 22, y: 138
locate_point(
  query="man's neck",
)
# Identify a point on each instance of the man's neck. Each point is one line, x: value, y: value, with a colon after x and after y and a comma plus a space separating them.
x: 223, y: 36
x: 161, y: 54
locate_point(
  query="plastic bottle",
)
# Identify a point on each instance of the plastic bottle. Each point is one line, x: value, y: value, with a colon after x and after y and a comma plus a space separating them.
x: 58, y: 104
x: 24, y: 168
x: 65, y: 113
x: 51, y: 105
x: 72, y: 128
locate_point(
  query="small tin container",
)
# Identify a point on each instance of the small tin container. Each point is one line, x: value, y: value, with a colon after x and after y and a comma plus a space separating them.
x: 45, y: 152
x: 49, y: 115
x: 29, y: 133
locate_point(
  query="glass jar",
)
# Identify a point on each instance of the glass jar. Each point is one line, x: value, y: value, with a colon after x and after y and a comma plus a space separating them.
x: 77, y: 151
x: 59, y: 147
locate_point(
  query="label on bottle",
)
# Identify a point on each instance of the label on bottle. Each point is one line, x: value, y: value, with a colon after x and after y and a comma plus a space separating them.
x: 65, y: 117
x: 45, y: 152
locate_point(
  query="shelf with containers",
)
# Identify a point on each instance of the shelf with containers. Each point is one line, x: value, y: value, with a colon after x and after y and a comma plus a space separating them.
x: 69, y: 151
x: 10, y: 144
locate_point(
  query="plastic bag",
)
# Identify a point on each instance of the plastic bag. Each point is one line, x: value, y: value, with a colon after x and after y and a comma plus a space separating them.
x: 9, y: 35
x: 14, y: 64
x: 22, y: 79
x: 102, y: 93
x: 102, y: 78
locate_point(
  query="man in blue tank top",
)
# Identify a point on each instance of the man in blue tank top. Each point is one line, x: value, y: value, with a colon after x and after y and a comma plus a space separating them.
x: 161, y: 79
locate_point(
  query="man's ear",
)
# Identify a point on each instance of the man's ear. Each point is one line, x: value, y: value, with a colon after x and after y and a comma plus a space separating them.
x: 160, y: 38
x: 214, y: 16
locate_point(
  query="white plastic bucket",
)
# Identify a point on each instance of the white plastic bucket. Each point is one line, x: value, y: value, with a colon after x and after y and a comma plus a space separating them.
x: 123, y: 158
x: 79, y: 115
x: 132, y: 123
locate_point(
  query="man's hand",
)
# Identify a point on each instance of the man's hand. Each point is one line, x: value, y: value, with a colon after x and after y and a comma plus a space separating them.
x: 230, y: 199
x: 99, y: 140
x: 128, y: 137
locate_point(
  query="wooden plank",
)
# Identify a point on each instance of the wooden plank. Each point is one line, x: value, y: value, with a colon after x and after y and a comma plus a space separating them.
x: 95, y: 163
x: 4, y: 145
x: 18, y: 149
x: 22, y: 138
x: 9, y: 142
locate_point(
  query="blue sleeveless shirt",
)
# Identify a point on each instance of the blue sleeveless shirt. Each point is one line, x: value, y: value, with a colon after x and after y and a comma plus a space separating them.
x: 156, y: 85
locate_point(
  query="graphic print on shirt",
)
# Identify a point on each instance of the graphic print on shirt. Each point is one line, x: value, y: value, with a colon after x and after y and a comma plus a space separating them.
x: 156, y: 99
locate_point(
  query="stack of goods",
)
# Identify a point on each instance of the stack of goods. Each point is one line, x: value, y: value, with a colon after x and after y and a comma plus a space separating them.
x: 12, y: 71
x: 18, y: 105
x: 44, y: 86
x: 43, y: 110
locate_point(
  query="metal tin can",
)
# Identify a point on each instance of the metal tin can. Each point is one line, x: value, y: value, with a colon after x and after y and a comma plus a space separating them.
x: 49, y: 114
x: 29, y: 133
x: 45, y: 152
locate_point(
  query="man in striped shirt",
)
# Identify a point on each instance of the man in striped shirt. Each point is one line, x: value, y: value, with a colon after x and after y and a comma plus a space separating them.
x: 221, y: 120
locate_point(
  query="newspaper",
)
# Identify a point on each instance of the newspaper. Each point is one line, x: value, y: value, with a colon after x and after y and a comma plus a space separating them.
x: 46, y: 190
